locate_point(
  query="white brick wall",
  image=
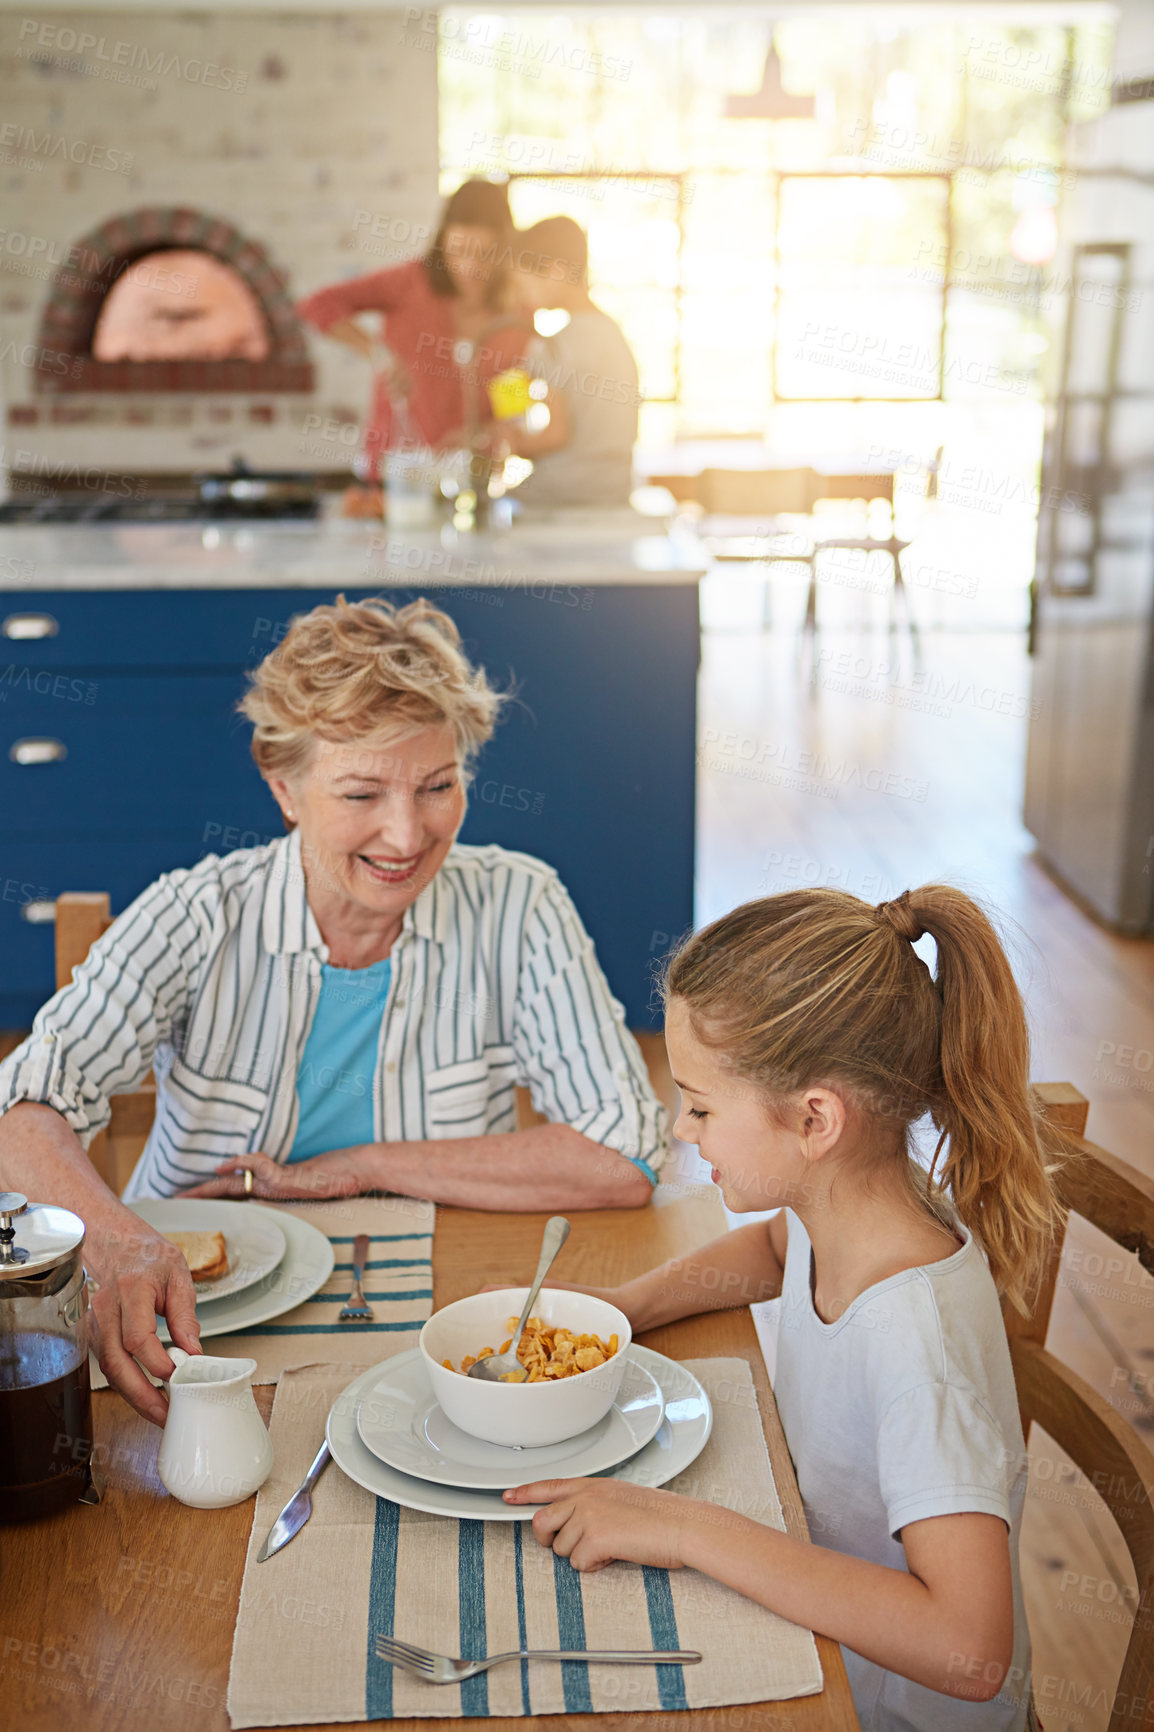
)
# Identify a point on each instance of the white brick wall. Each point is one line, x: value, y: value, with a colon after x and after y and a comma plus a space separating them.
x: 336, y: 116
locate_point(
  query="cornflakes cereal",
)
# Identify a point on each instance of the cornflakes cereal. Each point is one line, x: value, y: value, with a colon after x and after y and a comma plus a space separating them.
x: 547, y: 1352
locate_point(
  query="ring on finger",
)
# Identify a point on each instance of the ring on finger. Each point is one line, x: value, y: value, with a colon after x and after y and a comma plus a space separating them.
x: 247, y: 1181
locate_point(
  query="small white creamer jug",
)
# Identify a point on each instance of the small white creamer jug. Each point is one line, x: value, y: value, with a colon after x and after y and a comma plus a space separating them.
x: 216, y: 1449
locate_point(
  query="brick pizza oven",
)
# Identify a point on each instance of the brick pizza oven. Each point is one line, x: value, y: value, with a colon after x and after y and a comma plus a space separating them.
x: 99, y: 260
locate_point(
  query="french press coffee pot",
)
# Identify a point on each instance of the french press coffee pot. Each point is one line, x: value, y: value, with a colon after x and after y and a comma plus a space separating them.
x: 45, y: 1394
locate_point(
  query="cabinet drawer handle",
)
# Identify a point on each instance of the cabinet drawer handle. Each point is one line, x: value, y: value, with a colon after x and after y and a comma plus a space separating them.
x: 29, y: 625
x: 40, y: 913
x: 37, y: 751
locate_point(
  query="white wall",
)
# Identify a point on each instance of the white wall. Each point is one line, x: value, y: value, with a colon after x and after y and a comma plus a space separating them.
x: 312, y: 121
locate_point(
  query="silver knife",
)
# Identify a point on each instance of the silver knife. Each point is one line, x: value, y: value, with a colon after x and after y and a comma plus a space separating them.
x: 297, y: 1510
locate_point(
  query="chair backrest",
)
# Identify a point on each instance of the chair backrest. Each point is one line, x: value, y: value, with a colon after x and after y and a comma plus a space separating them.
x: 1119, y: 1201
x: 865, y: 486
x: 933, y: 472
x: 81, y: 917
x: 756, y: 492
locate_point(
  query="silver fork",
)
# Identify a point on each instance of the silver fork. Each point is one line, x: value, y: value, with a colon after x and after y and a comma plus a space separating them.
x: 443, y: 1669
x: 355, y: 1310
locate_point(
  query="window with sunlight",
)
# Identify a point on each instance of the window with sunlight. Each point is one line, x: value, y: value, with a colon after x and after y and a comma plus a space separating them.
x: 845, y: 248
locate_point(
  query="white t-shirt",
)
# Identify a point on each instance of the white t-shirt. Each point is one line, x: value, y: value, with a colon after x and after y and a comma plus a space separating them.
x: 592, y: 366
x: 902, y: 1409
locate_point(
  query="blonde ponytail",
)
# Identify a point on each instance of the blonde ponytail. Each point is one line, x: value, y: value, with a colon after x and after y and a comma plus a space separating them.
x: 995, y: 1167
x: 817, y: 986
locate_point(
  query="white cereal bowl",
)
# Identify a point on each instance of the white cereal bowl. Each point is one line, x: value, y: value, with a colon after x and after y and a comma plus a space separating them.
x: 526, y: 1414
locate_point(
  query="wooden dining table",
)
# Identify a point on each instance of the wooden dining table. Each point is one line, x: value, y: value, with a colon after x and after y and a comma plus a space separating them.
x: 120, y: 1617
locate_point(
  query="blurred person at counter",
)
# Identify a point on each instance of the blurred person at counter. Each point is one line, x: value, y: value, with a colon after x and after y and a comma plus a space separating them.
x: 584, y: 457
x: 348, y: 1009
x: 443, y: 330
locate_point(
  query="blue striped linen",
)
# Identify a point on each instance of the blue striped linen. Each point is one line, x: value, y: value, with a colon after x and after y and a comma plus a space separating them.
x: 560, y: 1625
x: 398, y: 1285
x: 365, y: 1567
x: 402, y: 1297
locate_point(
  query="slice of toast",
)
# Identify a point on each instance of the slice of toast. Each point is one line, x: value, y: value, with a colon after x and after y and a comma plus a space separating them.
x: 205, y: 1253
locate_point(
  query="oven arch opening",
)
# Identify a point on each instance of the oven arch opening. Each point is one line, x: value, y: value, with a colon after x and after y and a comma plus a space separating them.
x: 185, y: 268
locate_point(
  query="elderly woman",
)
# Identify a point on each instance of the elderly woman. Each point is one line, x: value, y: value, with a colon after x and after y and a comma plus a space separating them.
x: 347, y: 1009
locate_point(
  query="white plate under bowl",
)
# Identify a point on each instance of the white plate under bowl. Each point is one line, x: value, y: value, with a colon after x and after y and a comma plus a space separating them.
x: 681, y: 1437
x: 253, y: 1236
x: 401, y: 1422
x: 302, y: 1271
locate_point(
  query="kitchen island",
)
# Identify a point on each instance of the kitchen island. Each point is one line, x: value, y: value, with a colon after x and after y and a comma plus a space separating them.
x: 124, y: 655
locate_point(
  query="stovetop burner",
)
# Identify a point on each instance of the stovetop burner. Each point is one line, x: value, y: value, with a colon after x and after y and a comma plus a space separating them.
x: 154, y: 508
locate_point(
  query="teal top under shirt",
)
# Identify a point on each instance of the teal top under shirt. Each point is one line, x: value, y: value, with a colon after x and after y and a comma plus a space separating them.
x: 335, y: 1080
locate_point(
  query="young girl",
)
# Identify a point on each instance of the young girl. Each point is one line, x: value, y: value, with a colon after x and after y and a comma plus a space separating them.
x: 806, y: 1036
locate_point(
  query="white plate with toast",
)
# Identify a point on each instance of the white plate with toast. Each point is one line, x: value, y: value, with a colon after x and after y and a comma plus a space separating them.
x: 228, y: 1246
x: 306, y: 1266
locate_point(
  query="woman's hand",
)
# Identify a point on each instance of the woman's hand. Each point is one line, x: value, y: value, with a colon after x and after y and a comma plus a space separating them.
x: 318, y: 1180
x: 136, y: 1275
x: 363, y: 502
x: 594, y: 1521
x: 487, y: 440
x: 498, y: 444
x: 391, y: 372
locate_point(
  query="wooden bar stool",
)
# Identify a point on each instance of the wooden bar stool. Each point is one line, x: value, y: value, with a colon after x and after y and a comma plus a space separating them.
x: 893, y: 547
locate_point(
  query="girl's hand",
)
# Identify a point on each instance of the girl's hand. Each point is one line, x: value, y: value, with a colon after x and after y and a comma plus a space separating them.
x: 612, y: 1295
x: 594, y: 1521
x: 318, y: 1180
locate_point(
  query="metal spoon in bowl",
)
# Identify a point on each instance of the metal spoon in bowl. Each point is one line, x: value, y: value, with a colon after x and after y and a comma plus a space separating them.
x: 505, y: 1367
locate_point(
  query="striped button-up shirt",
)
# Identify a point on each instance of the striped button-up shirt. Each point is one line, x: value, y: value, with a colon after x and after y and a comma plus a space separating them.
x: 213, y: 974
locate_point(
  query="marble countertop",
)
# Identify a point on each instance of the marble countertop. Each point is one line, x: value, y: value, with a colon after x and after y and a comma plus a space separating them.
x: 587, y: 548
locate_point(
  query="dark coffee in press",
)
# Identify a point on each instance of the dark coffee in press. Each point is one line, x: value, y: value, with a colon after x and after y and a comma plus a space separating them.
x: 45, y: 1424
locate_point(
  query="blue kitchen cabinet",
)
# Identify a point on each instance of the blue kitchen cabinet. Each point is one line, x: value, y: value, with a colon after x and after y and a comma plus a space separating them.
x: 147, y: 766
x: 121, y: 756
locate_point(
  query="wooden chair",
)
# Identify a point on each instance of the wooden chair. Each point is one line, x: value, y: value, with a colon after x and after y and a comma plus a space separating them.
x: 1119, y: 1201
x: 865, y: 490
x: 769, y: 493
x: 756, y: 492
x: 864, y: 487
x: 81, y: 917
x: 893, y: 548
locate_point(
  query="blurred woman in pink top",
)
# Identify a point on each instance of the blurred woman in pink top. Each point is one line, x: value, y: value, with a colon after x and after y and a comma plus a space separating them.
x: 443, y: 332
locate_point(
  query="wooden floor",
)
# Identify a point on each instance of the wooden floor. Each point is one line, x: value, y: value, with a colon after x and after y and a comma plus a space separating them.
x: 877, y: 784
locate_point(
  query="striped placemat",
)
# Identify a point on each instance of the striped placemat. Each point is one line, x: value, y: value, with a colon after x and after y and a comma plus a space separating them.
x: 362, y: 1566
x: 398, y: 1285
